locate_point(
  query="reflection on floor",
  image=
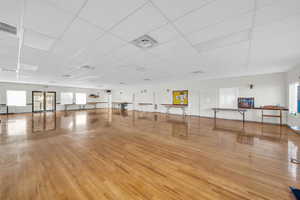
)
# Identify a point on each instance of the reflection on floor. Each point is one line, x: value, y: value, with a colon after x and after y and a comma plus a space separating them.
x: 105, y: 154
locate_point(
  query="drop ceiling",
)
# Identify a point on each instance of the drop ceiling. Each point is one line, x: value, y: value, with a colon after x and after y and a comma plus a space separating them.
x: 216, y: 37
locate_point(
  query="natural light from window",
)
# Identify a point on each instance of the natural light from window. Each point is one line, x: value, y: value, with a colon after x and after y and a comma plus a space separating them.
x: 294, y: 99
x: 15, y: 98
x: 66, y: 98
x: 80, y: 98
x: 228, y: 97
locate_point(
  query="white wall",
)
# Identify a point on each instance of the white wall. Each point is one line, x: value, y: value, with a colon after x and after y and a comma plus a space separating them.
x: 268, y: 89
x: 29, y: 88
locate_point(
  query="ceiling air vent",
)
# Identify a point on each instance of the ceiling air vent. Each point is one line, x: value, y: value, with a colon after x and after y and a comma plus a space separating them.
x: 8, y: 28
x: 66, y: 76
x: 87, y: 67
x: 197, y: 72
x: 145, y: 42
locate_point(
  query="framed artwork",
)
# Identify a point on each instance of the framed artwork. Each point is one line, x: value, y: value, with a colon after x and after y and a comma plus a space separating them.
x: 244, y: 102
x: 180, y: 97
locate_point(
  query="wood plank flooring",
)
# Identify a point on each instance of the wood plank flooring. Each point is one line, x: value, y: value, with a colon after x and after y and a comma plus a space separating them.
x: 100, y: 154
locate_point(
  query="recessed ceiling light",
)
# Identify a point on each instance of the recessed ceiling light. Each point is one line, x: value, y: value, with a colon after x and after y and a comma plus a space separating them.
x: 198, y: 72
x: 145, y: 42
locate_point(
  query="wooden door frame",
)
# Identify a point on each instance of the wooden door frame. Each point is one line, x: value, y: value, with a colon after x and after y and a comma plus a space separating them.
x: 54, y: 109
x: 44, y: 100
x: 32, y: 100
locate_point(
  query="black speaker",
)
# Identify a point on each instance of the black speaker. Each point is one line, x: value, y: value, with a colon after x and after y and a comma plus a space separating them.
x: 108, y: 91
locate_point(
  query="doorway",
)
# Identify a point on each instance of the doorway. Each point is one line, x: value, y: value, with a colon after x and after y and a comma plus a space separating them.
x: 43, y: 101
x: 50, y: 101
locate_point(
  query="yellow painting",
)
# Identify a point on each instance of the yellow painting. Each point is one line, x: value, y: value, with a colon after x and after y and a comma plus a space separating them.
x: 180, y: 97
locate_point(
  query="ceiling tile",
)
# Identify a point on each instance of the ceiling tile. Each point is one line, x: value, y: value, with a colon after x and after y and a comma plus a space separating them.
x: 41, y: 17
x: 213, y: 13
x: 79, y: 35
x: 107, y: 13
x: 263, y: 3
x: 125, y: 52
x: 278, y: 29
x: 67, y: 5
x: 106, y: 44
x: 223, y: 41
x: 278, y: 11
x: 8, y: 52
x: 176, y: 8
x: 177, y: 51
x: 273, y: 44
x: 101, y: 47
x: 140, y: 23
x: 37, y: 40
x: 10, y: 12
x: 37, y: 57
x: 164, y: 34
x: 143, y: 59
x: 222, y: 29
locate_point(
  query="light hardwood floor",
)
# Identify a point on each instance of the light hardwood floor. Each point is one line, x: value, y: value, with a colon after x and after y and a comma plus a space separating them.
x: 100, y: 154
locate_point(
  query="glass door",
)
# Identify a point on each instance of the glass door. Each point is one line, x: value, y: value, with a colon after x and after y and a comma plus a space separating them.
x: 37, y: 101
x: 50, y: 101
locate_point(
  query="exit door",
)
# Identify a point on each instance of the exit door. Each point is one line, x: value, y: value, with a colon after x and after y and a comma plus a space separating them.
x: 43, y: 101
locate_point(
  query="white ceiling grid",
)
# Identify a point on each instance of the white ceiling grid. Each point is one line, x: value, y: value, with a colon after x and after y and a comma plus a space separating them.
x: 208, y: 35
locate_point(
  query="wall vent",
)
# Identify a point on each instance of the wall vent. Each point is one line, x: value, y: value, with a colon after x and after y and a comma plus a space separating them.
x: 8, y: 28
x: 145, y: 42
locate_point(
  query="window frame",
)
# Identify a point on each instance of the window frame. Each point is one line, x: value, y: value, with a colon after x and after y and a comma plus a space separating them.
x: 80, y: 93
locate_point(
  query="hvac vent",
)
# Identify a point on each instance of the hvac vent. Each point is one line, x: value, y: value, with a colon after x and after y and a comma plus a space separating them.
x: 8, y: 28
x: 145, y: 42
x: 197, y: 72
x: 87, y: 67
x: 66, y: 76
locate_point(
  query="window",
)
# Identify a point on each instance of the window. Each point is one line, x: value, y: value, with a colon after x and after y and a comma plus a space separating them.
x: 294, y: 98
x: 298, y: 98
x: 80, y: 98
x: 15, y: 98
x: 66, y: 98
x: 228, y: 97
